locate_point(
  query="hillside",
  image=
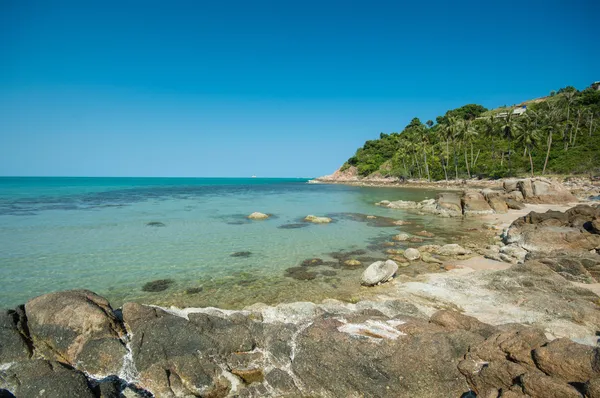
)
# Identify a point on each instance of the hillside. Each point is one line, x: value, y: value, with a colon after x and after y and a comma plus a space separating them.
x: 558, y: 134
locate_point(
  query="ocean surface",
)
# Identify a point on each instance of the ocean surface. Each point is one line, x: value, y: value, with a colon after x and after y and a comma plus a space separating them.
x: 115, y: 235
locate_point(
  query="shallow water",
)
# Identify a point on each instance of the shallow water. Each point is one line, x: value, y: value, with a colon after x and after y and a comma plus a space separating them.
x: 94, y: 233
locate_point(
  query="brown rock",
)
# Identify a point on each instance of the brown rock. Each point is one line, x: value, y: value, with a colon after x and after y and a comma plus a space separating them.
x: 453, y: 320
x: 498, y: 204
x: 77, y: 327
x: 568, y: 360
x: 473, y: 203
x: 538, y: 385
x: 450, y: 203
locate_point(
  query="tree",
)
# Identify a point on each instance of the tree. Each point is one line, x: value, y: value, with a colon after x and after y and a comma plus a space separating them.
x: 528, y: 135
x: 569, y: 97
x: 490, y: 130
x: 507, y: 128
x: 550, y: 122
x: 466, y: 133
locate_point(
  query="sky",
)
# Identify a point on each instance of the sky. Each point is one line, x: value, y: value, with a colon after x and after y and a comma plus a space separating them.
x: 268, y: 88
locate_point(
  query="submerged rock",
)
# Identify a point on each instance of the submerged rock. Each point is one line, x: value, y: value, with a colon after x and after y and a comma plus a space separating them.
x: 412, y: 254
x: 241, y: 254
x: 293, y: 226
x: 155, y: 224
x: 317, y: 220
x: 452, y: 249
x: 258, y: 216
x: 352, y: 263
x: 312, y: 262
x: 401, y: 237
x: 379, y: 272
x: 300, y: 273
x: 158, y: 285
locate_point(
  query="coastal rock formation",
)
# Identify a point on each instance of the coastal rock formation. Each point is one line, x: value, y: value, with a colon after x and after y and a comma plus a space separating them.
x: 258, y: 216
x: 474, y: 203
x: 555, y: 231
x: 383, y: 348
x: 77, y: 327
x: 14, y: 344
x: 379, y: 272
x: 317, y: 220
x: 412, y: 254
x: 540, y: 190
x: 522, y: 361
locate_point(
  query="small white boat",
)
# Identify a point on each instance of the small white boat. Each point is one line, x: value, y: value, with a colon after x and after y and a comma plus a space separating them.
x: 253, y: 176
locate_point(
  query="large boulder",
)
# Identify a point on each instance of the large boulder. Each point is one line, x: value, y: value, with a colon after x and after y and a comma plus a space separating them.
x: 412, y: 254
x: 77, y: 327
x: 176, y: 356
x: 258, y: 216
x: 40, y: 378
x: 449, y: 203
x: 555, y: 231
x: 542, y: 190
x: 317, y: 220
x: 580, y: 267
x: 498, y: 204
x: 380, y: 357
x: 565, y: 359
x: 379, y: 272
x: 14, y: 344
x: 474, y: 203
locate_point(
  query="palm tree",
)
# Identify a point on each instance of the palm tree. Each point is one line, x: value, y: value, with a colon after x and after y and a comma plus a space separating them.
x: 507, y: 129
x: 528, y: 135
x: 569, y: 99
x: 453, y: 128
x: 551, y: 119
x: 465, y: 134
x: 490, y: 130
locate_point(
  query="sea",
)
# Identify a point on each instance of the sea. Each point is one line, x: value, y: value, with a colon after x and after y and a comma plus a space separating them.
x: 188, y: 241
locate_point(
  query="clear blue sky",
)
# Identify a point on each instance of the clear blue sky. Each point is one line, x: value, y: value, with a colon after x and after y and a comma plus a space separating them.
x: 272, y: 88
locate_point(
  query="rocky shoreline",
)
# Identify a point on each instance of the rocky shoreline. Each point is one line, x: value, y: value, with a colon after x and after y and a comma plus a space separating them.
x: 522, y: 322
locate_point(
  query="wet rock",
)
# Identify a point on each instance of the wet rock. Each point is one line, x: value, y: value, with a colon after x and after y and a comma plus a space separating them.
x: 401, y: 222
x: 241, y: 254
x: 352, y: 263
x: 312, y: 262
x: 452, y: 249
x: 328, y: 273
x: 300, y: 273
x: 78, y: 327
x: 428, y: 258
x: 293, y: 226
x: 379, y: 272
x: 563, y: 358
x: 14, y: 344
x: 415, y: 239
x: 194, y: 290
x: 426, y: 234
x: 258, y: 216
x: 155, y: 224
x: 429, y: 248
x: 474, y: 203
x: 401, y: 237
x: 40, y: 378
x: 158, y: 285
x: 317, y: 220
x: 394, y: 252
x: 412, y: 254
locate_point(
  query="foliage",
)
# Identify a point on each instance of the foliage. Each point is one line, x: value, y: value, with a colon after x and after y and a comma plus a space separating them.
x: 560, y: 134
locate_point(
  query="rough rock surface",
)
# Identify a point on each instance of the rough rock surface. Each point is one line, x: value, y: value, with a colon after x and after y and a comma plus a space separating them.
x: 14, y: 344
x: 379, y: 272
x: 317, y: 220
x: 40, y: 378
x: 474, y: 203
x: 452, y: 249
x: 555, y: 231
x: 77, y: 327
x: 450, y: 203
x: 412, y: 254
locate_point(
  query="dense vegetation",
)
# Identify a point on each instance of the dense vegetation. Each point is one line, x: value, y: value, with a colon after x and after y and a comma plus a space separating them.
x: 558, y: 134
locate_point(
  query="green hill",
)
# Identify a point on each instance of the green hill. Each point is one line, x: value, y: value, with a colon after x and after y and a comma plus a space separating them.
x: 558, y: 134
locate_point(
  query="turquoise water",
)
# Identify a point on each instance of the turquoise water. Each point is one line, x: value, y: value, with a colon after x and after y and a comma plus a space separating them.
x: 93, y: 233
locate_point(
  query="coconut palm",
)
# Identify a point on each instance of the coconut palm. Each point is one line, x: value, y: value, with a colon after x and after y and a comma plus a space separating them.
x: 507, y: 129
x: 465, y: 134
x: 490, y: 130
x: 551, y: 124
x: 528, y: 135
x: 569, y: 97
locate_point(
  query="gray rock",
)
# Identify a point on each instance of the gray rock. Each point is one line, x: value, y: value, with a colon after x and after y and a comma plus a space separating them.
x: 474, y: 203
x: 379, y: 272
x: 40, y: 378
x: 515, y: 252
x: 412, y: 254
x: 449, y: 202
x: 13, y: 344
x: 452, y: 249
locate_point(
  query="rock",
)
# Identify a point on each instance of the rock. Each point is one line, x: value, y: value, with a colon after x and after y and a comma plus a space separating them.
x: 591, y: 389
x: 453, y: 320
x: 516, y: 196
x: 572, y: 362
x: 453, y: 249
x: 401, y: 222
x: 155, y: 224
x: 577, y: 267
x: 412, y: 254
x: 317, y: 220
x: 368, y: 356
x: 77, y: 327
x: 40, y: 378
x: 510, y: 185
x: 514, y: 204
x: 158, y: 285
x: 428, y: 258
x: 179, y: 357
x: 515, y: 252
x: 426, y: 234
x: 498, y: 204
x: 14, y: 346
x: 258, y: 216
x: 379, y: 272
x: 542, y: 386
x: 394, y: 252
x: 450, y: 203
x: 429, y: 248
x: 525, y: 188
x: 241, y: 254
x: 595, y: 226
x: 300, y: 273
x: 352, y: 263
x: 312, y: 262
x: 401, y: 237
x: 555, y: 231
x: 415, y: 239
x: 474, y: 203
